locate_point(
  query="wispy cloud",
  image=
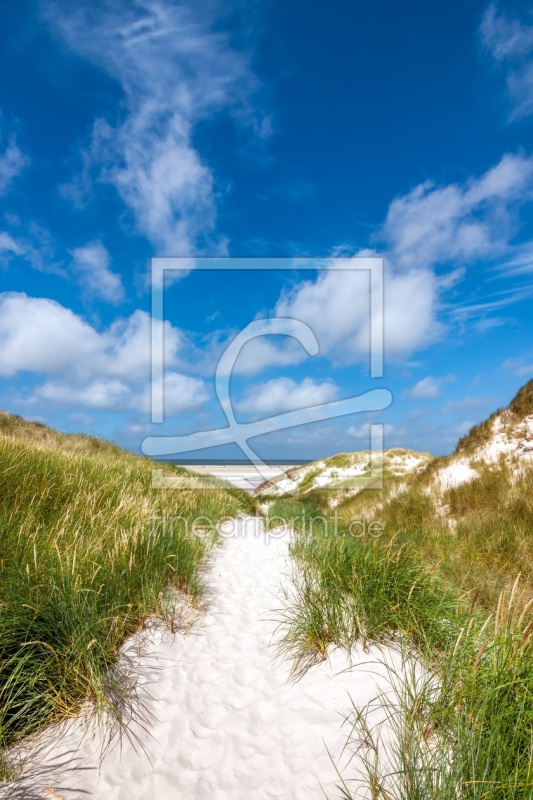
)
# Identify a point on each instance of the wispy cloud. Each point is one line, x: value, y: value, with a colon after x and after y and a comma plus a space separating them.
x: 520, y: 366
x: 9, y: 247
x: 31, y: 242
x: 285, y: 394
x: 175, y: 68
x: 428, y: 388
x: 510, y: 42
x: 459, y: 223
x: 455, y: 406
x: 12, y: 159
x: 92, y: 265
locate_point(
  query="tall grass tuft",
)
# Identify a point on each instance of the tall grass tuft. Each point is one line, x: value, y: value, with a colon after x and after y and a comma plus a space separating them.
x: 87, y: 547
x: 352, y: 588
x: 463, y: 726
x: 465, y: 732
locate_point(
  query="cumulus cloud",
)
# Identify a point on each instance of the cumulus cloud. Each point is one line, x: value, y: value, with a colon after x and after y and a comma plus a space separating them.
x: 175, y: 67
x: 42, y: 336
x: 452, y: 226
x: 91, y: 263
x: 107, y: 369
x: 336, y: 307
x: 180, y: 393
x: 285, y: 394
x: 458, y: 223
x: 510, y: 42
x: 363, y: 431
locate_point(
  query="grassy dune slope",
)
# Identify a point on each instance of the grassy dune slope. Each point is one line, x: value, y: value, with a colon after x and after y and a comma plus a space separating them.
x: 342, y: 471
x: 451, y: 575
x: 472, y: 512
x: 87, y: 551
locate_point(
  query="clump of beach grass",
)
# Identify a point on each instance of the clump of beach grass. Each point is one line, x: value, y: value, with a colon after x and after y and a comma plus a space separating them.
x: 87, y: 547
x: 464, y: 727
x: 464, y: 731
x: 356, y: 588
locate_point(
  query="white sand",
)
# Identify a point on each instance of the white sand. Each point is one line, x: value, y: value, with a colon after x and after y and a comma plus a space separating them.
x: 457, y: 473
x: 508, y: 440
x: 222, y: 720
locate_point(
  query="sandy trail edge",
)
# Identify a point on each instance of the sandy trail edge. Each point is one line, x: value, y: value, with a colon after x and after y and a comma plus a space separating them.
x: 222, y: 720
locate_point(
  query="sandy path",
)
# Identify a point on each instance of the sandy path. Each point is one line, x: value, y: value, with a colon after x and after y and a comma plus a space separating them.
x: 225, y: 722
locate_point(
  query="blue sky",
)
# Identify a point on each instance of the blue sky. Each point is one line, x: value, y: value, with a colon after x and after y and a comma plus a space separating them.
x: 264, y: 130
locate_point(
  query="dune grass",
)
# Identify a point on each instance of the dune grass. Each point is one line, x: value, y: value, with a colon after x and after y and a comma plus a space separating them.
x: 520, y: 406
x: 479, y: 534
x: 465, y: 730
x: 351, y: 587
x: 87, y: 549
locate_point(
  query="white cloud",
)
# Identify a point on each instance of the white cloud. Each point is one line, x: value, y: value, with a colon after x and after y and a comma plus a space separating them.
x: 175, y: 67
x: 464, y: 403
x: 82, y: 418
x: 454, y: 225
x: 127, y: 345
x: 91, y: 262
x: 520, y: 260
x: 9, y: 245
x: 285, y: 394
x: 520, y: 85
x: 426, y: 389
x: 336, y: 308
x: 510, y: 42
x: 180, y: 393
x: 102, y: 393
x: 104, y: 370
x: 41, y: 336
x: 393, y: 435
x: 432, y: 225
x: 359, y: 431
x: 521, y: 366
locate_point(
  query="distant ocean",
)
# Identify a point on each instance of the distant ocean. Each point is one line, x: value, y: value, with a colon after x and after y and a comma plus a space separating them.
x: 233, y: 462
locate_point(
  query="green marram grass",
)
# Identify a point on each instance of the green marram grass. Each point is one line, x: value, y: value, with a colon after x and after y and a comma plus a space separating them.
x: 449, y: 580
x: 87, y: 549
x: 466, y: 730
x: 478, y: 534
x: 520, y: 406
